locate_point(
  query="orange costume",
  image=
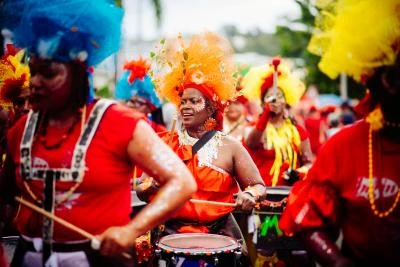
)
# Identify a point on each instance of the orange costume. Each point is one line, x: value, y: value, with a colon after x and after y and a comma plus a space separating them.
x: 213, y: 184
x: 206, y: 64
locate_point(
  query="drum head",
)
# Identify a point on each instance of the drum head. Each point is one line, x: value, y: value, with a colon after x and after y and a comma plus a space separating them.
x: 198, y: 244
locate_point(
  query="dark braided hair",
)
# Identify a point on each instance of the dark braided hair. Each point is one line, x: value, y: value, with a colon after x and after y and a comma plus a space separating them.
x: 384, y: 86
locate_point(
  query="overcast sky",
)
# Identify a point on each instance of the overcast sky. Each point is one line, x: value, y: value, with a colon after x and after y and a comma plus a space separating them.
x: 193, y: 16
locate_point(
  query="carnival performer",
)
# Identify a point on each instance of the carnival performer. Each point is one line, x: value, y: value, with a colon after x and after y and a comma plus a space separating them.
x: 67, y: 157
x: 137, y: 90
x: 197, y: 77
x: 14, y: 87
x: 235, y: 119
x: 14, y: 83
x: 315, y: 124
x: 353, y: 185
x: 279, y: 147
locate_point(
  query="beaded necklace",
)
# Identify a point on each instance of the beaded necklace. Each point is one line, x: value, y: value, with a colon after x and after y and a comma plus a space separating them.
x: 371, y: 197
x: 43, y: 132
x: 376, y: 122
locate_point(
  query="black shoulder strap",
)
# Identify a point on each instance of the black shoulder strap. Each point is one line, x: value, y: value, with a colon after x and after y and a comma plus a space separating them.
x: 202, y: 141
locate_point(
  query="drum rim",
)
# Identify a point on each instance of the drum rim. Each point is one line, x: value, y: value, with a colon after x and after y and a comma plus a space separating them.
x: 192, y: 251
x: 279, y: 190
x: 9, y: 237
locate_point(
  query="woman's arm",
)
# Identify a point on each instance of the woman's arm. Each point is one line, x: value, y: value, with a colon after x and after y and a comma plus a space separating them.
x: 176, y: 185
x: 254, y: 138
x: 324, y: 249
x: 248, y: 177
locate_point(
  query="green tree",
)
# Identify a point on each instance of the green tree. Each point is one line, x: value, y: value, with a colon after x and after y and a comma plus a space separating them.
x: 293, y: 40
x: 255, y: 41
x: 157, y: 9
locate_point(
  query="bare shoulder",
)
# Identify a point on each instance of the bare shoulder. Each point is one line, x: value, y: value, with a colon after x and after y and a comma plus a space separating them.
x: 231, y: 142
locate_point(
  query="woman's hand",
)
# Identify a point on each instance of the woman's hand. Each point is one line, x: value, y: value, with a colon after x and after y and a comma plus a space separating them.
x: 245, y: 201
x: 117, y: 240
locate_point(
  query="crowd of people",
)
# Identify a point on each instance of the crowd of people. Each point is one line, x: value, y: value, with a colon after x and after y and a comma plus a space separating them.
x: 235, y: 142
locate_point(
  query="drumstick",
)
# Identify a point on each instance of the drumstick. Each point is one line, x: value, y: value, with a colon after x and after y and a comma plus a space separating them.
x: 172, y: 131
x: 63, y: 222
x: 208, y: 202
x: 134, y: 178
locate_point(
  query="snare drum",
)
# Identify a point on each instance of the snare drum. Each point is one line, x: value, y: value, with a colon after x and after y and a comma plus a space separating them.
x: 273, y: 247
x: 270, y: 237
x: 196, y: 249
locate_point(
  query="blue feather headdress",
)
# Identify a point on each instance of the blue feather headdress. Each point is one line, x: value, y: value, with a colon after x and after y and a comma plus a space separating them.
x: 65, y: 30
x: 135, y: 81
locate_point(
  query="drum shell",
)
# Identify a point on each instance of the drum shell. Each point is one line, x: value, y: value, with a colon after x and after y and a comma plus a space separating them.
x: 136, y: 204
x: 272, y: 243
x: 9, y: 244
x: 269, y: 212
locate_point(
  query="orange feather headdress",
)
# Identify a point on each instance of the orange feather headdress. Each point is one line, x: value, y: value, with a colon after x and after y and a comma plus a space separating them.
x: 206, y: 61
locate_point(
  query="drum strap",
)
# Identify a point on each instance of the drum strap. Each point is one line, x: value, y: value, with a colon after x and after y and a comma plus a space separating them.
x: 76, y: 172
x: 202, y: 141
x: 48, y: 224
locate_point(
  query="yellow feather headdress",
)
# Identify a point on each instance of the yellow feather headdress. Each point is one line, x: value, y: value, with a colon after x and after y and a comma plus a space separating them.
x: 356, y: 36
x: 260, y: 78
x: 14, y: 78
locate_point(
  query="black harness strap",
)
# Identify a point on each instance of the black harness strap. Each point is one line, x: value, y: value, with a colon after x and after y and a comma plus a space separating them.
x: 48, y: 224
x: 202, y: 141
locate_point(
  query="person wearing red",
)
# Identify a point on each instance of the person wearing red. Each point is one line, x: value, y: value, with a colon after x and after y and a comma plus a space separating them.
x: 137, y: 90
x: 279, y: 147
x: 353, y: 185
x: 316, y: 128
x: 14, y: 86
x: 221, y: 163
x: 66, y: 156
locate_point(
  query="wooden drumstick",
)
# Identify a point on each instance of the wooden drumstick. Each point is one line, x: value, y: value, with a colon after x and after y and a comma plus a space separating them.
x: 134, y: 178
x: 216, y: 203
x: 171, y: 131
x: 64, y: 223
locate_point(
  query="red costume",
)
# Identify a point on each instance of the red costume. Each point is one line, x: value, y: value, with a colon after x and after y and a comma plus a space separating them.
x: 335, y: 195
x: 158, y: 128
x: 106, y: 178
x: 314, y: 129
x: 265, y: 158
x: 3, y: 262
